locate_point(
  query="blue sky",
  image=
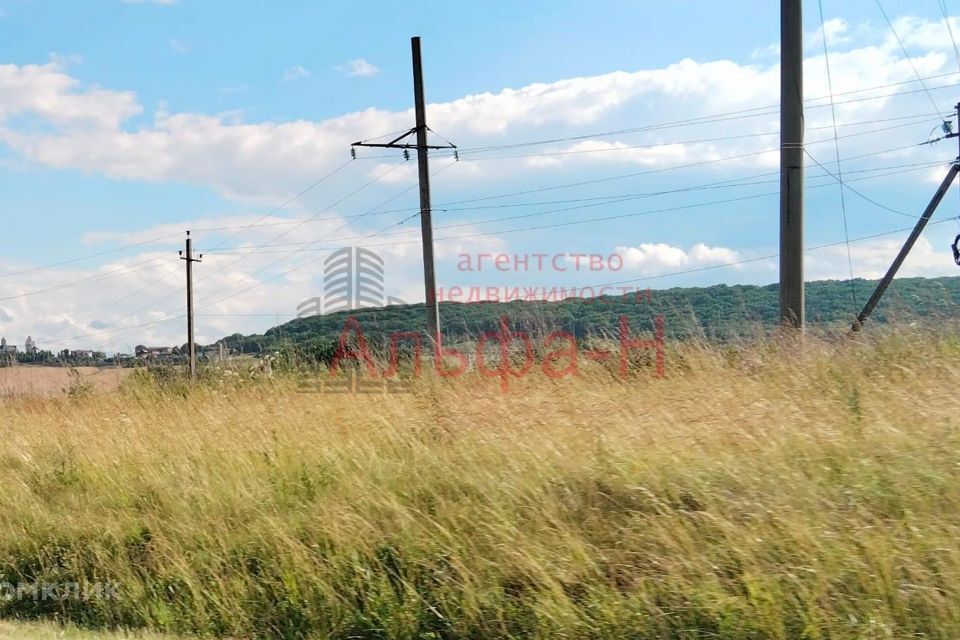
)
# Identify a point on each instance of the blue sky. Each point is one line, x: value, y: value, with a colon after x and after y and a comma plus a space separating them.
x: 127, y: 122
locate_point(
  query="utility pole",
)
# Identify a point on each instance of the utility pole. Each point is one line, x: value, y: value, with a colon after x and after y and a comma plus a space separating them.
x: 191, y: 344
x: 426, y: 220
x: 917, y: 230
x: 426, y: 223
x: 791, y: 164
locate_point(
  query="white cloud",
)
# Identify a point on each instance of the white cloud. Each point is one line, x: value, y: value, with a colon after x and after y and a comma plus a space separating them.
x: 837, y: 32
x: 769, y: 51
x: 93, y: 129
x: 359, y: 67
x: 90, y: 131
x: 227, y: 282
x: 46, y: 92
x: 62, y: 61
x: 653, y: 258
x: 872, y: 258
x: 296, y: 72
x: 919, y: 33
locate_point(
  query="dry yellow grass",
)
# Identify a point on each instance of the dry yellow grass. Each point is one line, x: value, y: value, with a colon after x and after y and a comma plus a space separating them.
x: 48, y: 381
x: 761, y: 491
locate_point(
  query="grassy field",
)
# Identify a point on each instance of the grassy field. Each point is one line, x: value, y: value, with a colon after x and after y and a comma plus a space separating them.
x: 754, y: 492
x: 28, y: 631
x: 47, y: 381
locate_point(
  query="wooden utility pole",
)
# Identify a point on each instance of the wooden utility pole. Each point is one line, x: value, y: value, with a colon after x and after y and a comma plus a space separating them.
x: 791, y: 164
x: 191, y: 344
x: 426, y: 223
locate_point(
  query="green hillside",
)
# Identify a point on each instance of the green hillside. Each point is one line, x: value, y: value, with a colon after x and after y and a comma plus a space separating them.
x: 719, y: 312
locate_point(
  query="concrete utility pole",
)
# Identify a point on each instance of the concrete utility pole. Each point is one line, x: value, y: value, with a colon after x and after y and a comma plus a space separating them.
x: 917, y: 230
x: 426, y: 223
x: 791, y: 164
x: 191, y: 344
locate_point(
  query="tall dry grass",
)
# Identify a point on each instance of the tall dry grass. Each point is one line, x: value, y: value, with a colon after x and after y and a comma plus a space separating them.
x: 762, y: 491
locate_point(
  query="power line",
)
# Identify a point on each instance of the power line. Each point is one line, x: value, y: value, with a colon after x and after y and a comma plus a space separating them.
x: 133, y: 294
x: 274, y: 277
x: 444, y: 207
x: 704, y: 268
x: 127, y: 330
x: 836, y: 147
x: 321, y: 180
x: 123, y: 332
x: 910, y: 60
x: 171, y: 235
x: 288, y: 202
x: 222, y: 267
x: 946, y: 19
x: 752, y: 112
x: 845, y: 185
x: 612, y: 198
x: 679, y: 166
x: 654, y: 145
x: 97, y: 278
x: 364, y: 186
x: 760, y: 258
x: 688, y: 165
x: 368, y: 212
x: 826, y: 171
x: 359, y: 239
x: 52, y: 265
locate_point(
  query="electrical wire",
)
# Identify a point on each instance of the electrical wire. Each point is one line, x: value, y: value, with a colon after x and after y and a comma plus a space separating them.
x: 222, y: 267
x: 90, y: 256
x: 909, y: 59
x: 140, y: 266
x: 856, y: 192
x: 360, y: 238
x: 763, y: 257
x: 287, y: 203
x: 946, y: 20
x: 96, y: 313
x: 752, y: 112
x: 836, y: 147
x: 274, y: 277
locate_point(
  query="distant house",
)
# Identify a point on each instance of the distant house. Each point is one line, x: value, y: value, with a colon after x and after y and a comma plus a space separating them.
x: 82, y: 354
x: 7, y: 348
x: 152, y: 352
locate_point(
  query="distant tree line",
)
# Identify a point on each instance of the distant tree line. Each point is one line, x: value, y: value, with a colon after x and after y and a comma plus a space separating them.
x: 716, y: 313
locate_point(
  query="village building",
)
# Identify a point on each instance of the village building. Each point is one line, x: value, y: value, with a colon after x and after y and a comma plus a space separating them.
x: 152, y: 352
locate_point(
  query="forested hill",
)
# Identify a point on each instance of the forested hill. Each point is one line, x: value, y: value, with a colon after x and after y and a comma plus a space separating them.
x: 718, y: 312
